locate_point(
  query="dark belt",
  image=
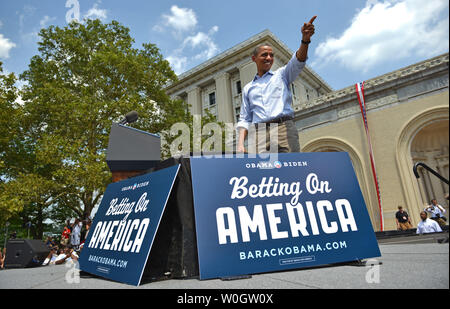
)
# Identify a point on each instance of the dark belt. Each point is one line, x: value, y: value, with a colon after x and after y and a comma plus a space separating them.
x: 280, y: 119
x: 276, y: 120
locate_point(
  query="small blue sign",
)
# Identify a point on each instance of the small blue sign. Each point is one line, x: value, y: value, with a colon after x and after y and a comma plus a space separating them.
x: 299, y: 210
x: 125, y: 225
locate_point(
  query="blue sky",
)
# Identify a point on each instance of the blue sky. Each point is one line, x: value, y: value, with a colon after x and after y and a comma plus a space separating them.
x: 355, y: 40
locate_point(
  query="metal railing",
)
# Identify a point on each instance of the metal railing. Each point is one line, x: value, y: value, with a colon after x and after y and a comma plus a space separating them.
x: 416, y: 173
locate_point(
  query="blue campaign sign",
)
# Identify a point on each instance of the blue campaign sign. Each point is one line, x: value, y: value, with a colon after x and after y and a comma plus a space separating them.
x: 125, y: 225
x: 299, y: 210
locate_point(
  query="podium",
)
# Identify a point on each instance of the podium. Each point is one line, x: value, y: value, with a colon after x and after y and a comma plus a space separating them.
x: 131, y: 151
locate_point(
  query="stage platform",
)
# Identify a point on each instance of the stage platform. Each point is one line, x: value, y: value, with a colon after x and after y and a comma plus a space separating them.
x: 407, y: 262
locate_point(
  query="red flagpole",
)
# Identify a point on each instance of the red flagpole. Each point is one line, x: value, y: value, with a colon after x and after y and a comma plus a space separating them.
x: 362, y: 105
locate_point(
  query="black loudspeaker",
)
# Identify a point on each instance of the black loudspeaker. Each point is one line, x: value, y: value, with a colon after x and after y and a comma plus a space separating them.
x: 21, y: 253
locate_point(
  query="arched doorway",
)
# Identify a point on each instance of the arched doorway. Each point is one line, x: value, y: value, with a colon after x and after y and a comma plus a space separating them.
x: 333, y: 144
x: 431, y: 146
x: 411, y: 143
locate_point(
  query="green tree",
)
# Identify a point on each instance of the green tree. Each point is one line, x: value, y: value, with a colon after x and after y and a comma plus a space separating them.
x: 9, y: 132
x: 53, y: 146
x: 8, y: 115
x: 86, y: 76
x: 25, y: 189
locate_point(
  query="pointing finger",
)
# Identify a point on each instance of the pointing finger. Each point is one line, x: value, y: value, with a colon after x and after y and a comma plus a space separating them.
x: 312, y: 19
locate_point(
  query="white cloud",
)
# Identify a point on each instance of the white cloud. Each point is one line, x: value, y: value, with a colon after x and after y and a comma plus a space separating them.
x: 208, y: 48
x: 46, y: 20
x: 95, y: 12
x: 193, y: 45
x: 178, y: 63
x: 27, y: 12
x: 195, y: 48
x: 180, y: 19
x: 388, y: 31
x: 25, y: 16
x: 158, y: 28
x: 5, y: 46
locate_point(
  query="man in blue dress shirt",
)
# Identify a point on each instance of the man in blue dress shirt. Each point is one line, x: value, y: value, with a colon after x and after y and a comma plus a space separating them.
x: 267, y: 99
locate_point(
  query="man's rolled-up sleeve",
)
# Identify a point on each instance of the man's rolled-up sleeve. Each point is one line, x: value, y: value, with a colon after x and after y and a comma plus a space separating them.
x: 245, y: 118
x: 293, y: 69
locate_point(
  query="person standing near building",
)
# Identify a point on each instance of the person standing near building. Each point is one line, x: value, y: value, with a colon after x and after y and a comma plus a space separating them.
x: 267, y: 98
x: 75, y: 238
x: 65, y: 236
x: 437, y: 212
x: 427, y: 225
x: 2, y: 258
x: 402, y: 219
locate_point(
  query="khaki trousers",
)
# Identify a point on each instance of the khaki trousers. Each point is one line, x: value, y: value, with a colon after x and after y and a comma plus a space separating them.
x: 405, y: 226
x: 274, y: 137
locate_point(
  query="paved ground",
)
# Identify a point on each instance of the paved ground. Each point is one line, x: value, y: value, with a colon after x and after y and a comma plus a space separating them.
x: 406, y: 263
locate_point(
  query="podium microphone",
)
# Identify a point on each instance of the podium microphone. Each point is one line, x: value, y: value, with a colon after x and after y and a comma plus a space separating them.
x: 129, y: 118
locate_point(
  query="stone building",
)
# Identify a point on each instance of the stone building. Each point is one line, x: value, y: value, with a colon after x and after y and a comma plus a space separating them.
x: 407, y: 111
x: 216, y: 84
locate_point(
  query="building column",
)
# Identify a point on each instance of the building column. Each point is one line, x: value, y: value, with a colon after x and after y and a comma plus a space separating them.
x: 223, y: 98
x: 247, y: 73
x: 194, y: 99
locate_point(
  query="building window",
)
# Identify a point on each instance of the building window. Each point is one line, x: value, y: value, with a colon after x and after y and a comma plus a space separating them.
x: 238, y: 87
x: 212, y: 98
x: 237, y: 112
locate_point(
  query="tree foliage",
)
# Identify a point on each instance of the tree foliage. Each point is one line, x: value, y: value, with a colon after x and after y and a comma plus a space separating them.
x: 8, y: 133
x: 85, y: 76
